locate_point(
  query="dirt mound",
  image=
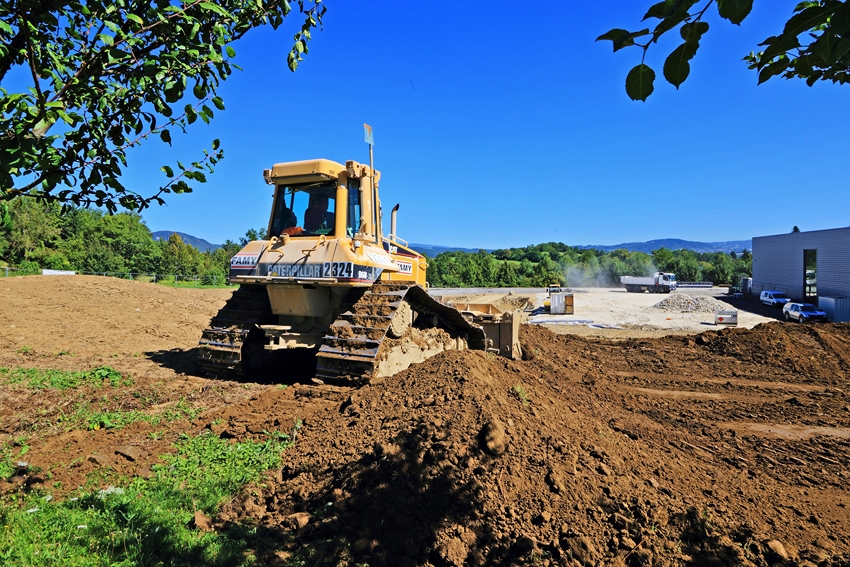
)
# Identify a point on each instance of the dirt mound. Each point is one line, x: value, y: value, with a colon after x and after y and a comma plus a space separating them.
x: 472, y: 459
x: 725, y: 448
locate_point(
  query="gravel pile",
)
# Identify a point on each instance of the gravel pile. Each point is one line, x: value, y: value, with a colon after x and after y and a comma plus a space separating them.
x: 683, y: 303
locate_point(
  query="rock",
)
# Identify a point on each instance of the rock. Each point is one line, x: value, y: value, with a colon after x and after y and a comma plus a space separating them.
x: 581, y: 548
x: 492, y: 438
x: 297, y: 520
x: 98, y: 459
x: 627, y: 543
x: 777, y: 550
x: 604, y: 470
x: 555, y: 481
x: 131, y: 452
x: 202, y: 522
x: 545, y: 516
x: 452, y: 553
x: 523, y: 546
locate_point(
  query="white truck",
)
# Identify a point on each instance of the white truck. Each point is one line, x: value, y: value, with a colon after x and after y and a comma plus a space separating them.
x: 659, y: 282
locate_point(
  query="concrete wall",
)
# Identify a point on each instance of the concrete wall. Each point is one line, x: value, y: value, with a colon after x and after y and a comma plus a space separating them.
x: 778, y: 262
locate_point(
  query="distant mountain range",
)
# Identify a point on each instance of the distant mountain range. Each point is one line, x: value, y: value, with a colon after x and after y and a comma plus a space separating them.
x: 432, y: 250
x: 648, y: 247
x: 198, y: 243
x: 678, y: 244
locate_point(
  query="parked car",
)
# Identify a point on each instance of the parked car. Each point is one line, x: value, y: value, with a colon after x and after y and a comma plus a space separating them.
x: 774, y: 298
x: 802, y: 312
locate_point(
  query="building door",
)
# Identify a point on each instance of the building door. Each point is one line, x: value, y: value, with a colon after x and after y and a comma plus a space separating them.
x: 810, y: 276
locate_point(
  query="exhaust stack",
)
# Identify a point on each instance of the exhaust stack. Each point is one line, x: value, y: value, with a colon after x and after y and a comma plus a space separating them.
x: 393, y: 221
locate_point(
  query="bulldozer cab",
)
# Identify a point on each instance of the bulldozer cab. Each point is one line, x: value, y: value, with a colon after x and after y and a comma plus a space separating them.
x: 312, y: 209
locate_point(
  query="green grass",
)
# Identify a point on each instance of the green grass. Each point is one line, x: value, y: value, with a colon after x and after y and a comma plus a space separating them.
x: 147, y: 521
x: 64, y: 380
x: 83, y: 416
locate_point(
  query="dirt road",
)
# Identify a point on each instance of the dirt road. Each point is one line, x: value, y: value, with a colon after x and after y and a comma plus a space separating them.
x: 728, y: 447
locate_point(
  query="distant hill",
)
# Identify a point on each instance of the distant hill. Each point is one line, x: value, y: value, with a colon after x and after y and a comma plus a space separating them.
x: 198, y: 243
x: 669, y: 243
x: 432, y: 250
x: 678, y: 244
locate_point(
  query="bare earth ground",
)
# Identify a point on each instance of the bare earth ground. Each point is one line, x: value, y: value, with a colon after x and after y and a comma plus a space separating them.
x: 728, y: 447
x: 598, y: 309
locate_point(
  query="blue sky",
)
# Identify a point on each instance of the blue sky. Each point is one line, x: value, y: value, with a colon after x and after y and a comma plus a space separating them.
x: 497, y: 126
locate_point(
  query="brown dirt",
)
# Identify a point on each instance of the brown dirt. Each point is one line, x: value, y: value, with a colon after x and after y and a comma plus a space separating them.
x: 724, y: 448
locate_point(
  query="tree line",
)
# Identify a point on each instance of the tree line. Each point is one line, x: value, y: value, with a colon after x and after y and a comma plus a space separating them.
x: 37, y: 235
x: 44, y: 235
x: 554, y: 262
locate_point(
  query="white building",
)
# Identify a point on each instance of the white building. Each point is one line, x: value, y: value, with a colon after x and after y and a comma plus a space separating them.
x: 812, y: 266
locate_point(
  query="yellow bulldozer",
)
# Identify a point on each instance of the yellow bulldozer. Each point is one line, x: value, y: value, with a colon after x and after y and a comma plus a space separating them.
x: 330, y: 294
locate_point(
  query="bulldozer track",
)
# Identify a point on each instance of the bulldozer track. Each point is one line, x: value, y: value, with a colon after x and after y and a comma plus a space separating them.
x: 233, y: 344
x: 224, y: 342
x: 350, y: 352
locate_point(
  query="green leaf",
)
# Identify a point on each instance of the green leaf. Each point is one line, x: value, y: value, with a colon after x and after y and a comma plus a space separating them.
x: 106, y: 39
x: 677, y: 66
x: 622, y: 38
x: 734, y: 10
x: 168, y: 171
x: 658, y: 10
x: 200, y: 91
x: 806, y: 20
x: 215, y: 144
x: 135, y: 18
x: 693, y: 32
x: 166, y: 136
x: 778, y: 45
x: 230, y: 51
x: 774, y: 69
x: 215, y: 8
x: 840, y: 21
x: 218, y: 102
x: 639, y: 82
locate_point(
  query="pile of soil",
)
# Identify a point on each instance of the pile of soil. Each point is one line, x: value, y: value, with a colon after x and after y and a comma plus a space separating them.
x: 725, y: 448
x: 568, y: 458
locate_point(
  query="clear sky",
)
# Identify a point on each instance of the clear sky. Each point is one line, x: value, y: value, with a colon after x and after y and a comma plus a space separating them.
x: 498, y: 126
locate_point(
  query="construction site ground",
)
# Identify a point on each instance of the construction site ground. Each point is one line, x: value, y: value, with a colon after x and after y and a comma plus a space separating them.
x: 704, y: 446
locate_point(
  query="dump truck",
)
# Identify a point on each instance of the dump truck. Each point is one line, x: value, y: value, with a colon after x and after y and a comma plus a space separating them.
x: 327, y: 290
x: 659, y: 282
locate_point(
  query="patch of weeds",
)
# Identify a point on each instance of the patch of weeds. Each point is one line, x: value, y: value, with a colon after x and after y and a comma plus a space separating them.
x: 84, y: 416
x: 105, y: 476
x: 26, y: 350
x: 156, y: 435
x: 182, y: 410
x: 148, y: 398
x: 11, y: 459
x: 147, y: 521
x: 521, y: 394
x: 64, y: 353
x: 63, y: 380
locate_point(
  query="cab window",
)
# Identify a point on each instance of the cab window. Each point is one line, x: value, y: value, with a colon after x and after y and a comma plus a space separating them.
x: 352, y: 226
x: 304, y: 210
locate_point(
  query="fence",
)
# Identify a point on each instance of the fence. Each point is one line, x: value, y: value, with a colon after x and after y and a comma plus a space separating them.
x: 177, y: 280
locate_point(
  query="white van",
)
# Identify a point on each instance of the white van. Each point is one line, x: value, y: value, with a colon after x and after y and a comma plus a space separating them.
x: 774, y: 298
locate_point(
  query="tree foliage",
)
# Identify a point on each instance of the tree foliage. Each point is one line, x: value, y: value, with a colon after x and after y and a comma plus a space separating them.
x: 554, y: 262
x: 105, y: 76
x: 40, y: 235
x: 814, y: 44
